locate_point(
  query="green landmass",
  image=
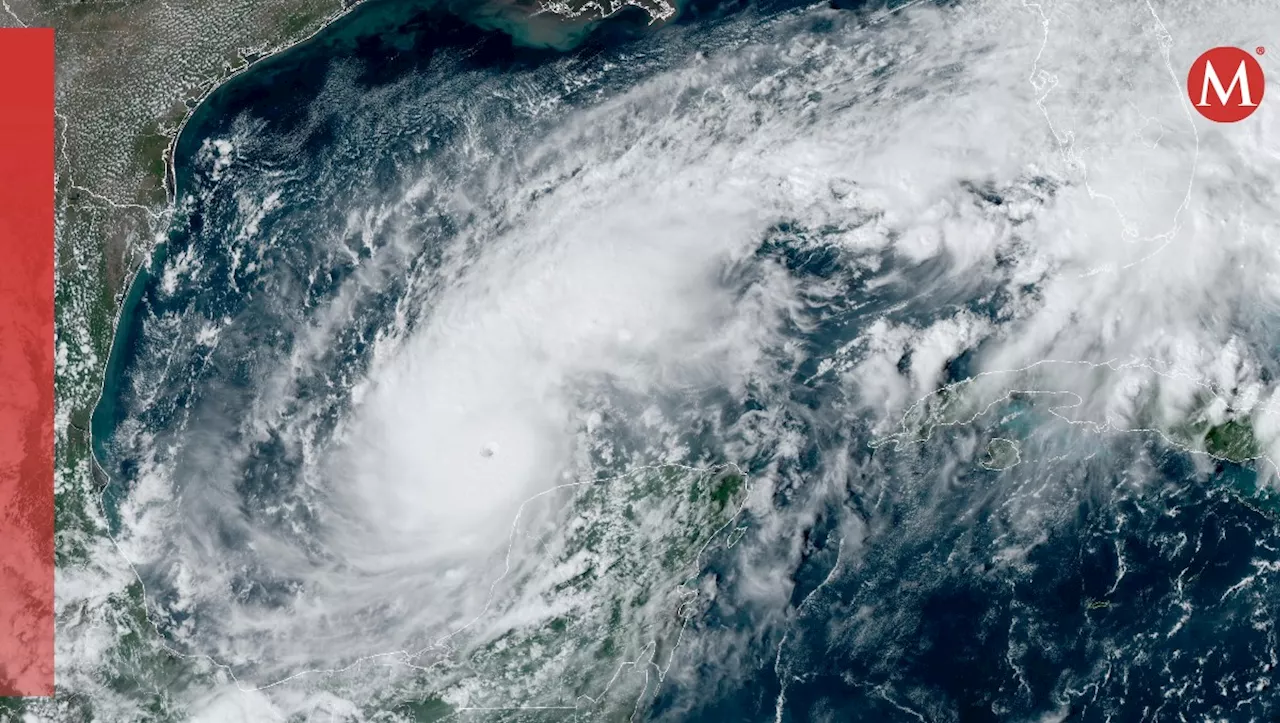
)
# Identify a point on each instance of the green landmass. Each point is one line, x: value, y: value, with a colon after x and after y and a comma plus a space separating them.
x: 428, y: 710
x: 636, y: 545
x: 1233, y: 440
x: 1001, y: 454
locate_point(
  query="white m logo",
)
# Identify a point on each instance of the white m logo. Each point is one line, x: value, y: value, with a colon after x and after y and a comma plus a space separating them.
x: 1241, y: 78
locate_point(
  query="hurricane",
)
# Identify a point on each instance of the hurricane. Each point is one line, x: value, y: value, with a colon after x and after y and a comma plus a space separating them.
x: 785, y: 362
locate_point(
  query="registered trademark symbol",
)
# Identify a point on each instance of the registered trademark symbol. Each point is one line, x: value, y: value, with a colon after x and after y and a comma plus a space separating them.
x: 1260, y: 50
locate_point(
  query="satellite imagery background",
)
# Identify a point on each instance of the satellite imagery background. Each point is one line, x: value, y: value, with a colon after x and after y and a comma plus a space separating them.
x: 711, y: 361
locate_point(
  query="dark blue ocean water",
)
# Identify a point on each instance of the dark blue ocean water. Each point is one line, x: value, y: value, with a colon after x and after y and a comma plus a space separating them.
x: 1143, y: 590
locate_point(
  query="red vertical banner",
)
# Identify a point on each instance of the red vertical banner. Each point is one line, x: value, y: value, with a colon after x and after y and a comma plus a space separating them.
x: 26, y: 361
